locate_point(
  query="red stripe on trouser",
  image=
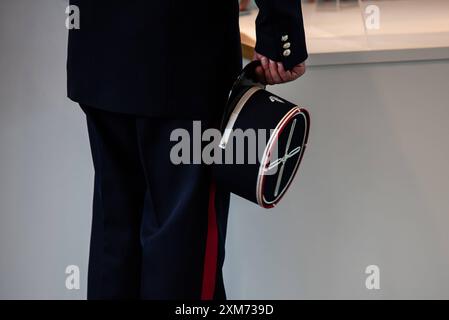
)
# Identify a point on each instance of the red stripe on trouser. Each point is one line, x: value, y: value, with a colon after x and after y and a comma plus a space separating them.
x: 211, y: 256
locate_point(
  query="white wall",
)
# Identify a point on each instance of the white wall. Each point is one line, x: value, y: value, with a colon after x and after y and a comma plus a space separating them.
x: 45, y: 164
x: 372, y: 190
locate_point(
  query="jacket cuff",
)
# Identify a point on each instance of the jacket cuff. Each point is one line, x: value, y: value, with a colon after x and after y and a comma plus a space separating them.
x: 284, y: 44
x: 286, y: 47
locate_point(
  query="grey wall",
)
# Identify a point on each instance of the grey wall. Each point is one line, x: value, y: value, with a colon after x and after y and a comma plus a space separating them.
x: 45, y: 172
x: 372, y: 190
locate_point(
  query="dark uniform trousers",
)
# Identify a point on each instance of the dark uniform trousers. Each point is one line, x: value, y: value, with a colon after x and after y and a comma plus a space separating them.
x: 158, y: 229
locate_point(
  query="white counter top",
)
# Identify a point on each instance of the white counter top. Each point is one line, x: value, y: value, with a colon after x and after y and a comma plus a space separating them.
x: 409, y: 30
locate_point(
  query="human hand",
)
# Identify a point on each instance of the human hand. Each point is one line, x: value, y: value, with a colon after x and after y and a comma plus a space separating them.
x: 272, y: 72
x: 244, y: 4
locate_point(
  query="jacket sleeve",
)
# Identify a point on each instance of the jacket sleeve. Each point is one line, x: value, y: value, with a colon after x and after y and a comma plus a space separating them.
x: 280, y: 31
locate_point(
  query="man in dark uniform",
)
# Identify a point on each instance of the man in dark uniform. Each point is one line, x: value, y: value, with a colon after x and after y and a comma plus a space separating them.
x: 141, y: 69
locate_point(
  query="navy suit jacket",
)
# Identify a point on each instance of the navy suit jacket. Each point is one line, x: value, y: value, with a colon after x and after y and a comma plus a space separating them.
x: 171, y: 58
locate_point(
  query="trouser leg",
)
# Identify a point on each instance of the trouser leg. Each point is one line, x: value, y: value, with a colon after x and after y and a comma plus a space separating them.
x: 182, y: 256
x: 115, y: 251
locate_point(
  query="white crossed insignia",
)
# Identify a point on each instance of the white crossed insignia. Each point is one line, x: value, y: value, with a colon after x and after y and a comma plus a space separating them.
x: 281, y: 161
x: 275, y: 99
